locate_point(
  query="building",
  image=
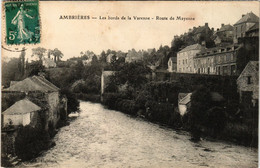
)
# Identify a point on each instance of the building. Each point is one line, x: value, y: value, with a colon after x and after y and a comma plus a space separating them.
x: 217, y: 61
x: 253, y: 31
x: 184, y: 102
x: 172, y: 64
x: 202, y: 33
x: 185, y: 58
x: 41, y: 92
x: 244, y: 24
x: 23, y: 112
x: 48, y: 63
x: 248, y: 84
x: 224, y: 35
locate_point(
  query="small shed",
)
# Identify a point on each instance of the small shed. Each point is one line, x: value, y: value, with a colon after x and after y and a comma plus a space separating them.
x: 20, y: 113
x: 184, y: 102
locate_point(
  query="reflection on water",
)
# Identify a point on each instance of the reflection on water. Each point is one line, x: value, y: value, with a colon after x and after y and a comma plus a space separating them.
x: 106, y: 138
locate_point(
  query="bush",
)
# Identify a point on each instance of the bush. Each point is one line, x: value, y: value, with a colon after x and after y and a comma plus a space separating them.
x: 30, y: 141
x: 89, y: 97
x: 241, y: 134
x: 73, y: 103
x: 162, y: 112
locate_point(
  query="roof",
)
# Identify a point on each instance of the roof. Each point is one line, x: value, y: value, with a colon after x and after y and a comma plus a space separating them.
x: 185, y: 100
x: 34, y: 83
x: 173, y: 59
x: 254, y: 27
x: 215, y: 96
x: 253, y: 64
x: 192, y: 47
x: 200, y: 29
x: 249, y: 17
x: 21, y: 107
x: 226, y: 28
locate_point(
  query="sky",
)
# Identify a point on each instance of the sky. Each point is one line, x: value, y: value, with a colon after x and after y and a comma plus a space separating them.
x: 74, y: 36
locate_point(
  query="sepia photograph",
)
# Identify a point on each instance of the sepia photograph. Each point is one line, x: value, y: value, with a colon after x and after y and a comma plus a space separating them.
x: 136, y: 84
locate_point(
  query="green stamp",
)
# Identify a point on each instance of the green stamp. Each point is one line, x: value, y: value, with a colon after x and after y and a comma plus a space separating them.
x: 22, y: 22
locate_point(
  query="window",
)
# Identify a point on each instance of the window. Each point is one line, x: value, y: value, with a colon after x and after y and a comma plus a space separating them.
x: 233, y: 69
x: 249, y: 80
x: 225, y: 70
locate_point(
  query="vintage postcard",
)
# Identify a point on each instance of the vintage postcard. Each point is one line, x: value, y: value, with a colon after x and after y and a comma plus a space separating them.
x: 129, y: 84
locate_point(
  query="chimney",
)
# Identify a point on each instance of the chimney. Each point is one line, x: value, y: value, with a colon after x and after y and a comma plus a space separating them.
x: 222, y: 24
x: 243, y: 15
x: 206, y: 24
x: 212, y: 29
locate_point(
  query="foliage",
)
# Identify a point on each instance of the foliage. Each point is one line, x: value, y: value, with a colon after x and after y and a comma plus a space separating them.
x: 11, y: 71
x: 162, y: 112
x: 30, y: 141
x: 134, y: 74
x: 34, y: 68
x: 38, y: 52
x: 73, y: 103
x: 57, y: 54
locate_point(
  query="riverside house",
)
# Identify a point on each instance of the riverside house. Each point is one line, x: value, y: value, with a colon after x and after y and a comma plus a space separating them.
x: 40, y: 92
x: 23, y: 112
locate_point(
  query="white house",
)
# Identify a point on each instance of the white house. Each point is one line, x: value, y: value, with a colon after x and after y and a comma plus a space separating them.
x: 20, y: 113
x: 185, y: 58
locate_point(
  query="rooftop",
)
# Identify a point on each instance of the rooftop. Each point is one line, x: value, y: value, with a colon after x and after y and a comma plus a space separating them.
x: 21, y: 107
x: 34, y: 83
x: 249, y: 17
x: 192, y: 47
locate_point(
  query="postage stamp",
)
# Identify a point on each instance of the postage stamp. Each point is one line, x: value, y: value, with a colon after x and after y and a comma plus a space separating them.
x: 22, y: 22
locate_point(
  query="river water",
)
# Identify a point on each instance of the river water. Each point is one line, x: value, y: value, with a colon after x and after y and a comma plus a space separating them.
x: 99, y: 137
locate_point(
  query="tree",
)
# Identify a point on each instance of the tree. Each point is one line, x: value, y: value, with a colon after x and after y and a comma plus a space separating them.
x: 133, y: 74
x: 200, y: 103
x: 34, y: 68
x: 38, y: 52
x: 11, y: 71
x: 57, y: 54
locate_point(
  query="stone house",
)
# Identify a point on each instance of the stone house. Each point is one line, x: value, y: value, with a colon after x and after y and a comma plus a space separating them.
x: 41, y: 92
x: 172, y: 64
x: 23, y: 112
x: 217, y: 61
x: 248, y: 84
x: 253, y: 31
x: 202, y: 33
x: 244, y: 24
x: 224, y: 35
x: 185, y: 58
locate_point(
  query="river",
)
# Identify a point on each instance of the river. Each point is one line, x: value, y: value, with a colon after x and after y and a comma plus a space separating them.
x: 99, y: 137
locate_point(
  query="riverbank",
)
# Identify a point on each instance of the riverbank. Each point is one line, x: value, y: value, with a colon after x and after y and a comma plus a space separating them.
x: 167, y: 114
